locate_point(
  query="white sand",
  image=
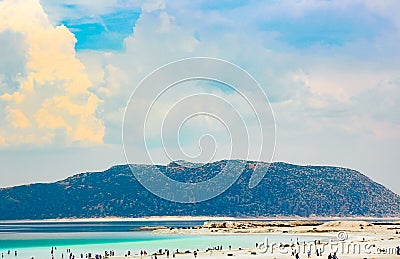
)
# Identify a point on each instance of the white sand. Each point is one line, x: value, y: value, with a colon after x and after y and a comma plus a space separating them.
x: 360, y: 233
x: 362, y: 239
x: 246, y: 254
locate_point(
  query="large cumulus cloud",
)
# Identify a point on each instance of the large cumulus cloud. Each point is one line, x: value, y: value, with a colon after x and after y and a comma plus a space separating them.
x: 51, y: 102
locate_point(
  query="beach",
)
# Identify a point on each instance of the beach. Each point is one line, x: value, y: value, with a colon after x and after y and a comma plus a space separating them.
x: 252, y: 253
x: 349, y: 239
x: 211, y: 239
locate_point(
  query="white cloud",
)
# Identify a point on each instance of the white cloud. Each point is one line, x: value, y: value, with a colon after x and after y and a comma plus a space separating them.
x: 52, y: 100
x: 153, y: 5
x: 13, y: 53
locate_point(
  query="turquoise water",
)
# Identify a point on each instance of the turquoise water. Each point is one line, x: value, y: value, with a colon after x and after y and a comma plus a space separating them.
x: 37, y: 239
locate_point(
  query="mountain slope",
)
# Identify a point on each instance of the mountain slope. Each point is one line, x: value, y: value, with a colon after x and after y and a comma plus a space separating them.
x: 285, y: 190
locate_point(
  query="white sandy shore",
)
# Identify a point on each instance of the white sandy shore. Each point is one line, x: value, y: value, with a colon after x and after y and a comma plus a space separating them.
x: 282, y: 227
x: 358, y: 245
x: 246, y: 254
x: 358, y: 233
x: 361, y: 239
x: 368, y: 242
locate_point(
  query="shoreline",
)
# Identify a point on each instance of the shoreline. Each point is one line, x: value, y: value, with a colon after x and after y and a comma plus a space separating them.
x: 208, y: 218
x: 302, y: 235
x: 284, y: 227
x: 276, y: 251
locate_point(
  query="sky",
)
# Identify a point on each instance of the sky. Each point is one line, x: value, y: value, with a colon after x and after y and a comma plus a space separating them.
x: 330, y: 71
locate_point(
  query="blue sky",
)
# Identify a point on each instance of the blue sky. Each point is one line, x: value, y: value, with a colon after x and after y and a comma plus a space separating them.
x: 103, y: 32
x: 324, y: 26
x: 329, y: 68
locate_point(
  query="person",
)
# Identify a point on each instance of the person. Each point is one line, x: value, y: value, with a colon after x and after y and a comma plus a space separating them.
x: 297, y: 256
x: 309, y: 254
x: 329, y: 256
x: 195, y: 253
x: 334, y: 256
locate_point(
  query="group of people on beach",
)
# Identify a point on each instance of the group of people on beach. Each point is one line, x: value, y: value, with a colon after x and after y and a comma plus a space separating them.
x: 167, y: 253
x: 332, y: 256
x: 71, y: 255
x: 318, y: 252
x: 111, y: 253
x: 9, y: 253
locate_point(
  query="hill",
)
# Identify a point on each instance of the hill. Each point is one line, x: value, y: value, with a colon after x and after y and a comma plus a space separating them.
x: 286, y: 189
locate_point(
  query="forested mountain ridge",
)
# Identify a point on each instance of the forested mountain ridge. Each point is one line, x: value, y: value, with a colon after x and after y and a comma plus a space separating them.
x: 286, y: 189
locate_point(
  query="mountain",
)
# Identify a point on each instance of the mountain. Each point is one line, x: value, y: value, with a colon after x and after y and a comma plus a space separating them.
x: 285, y: 189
